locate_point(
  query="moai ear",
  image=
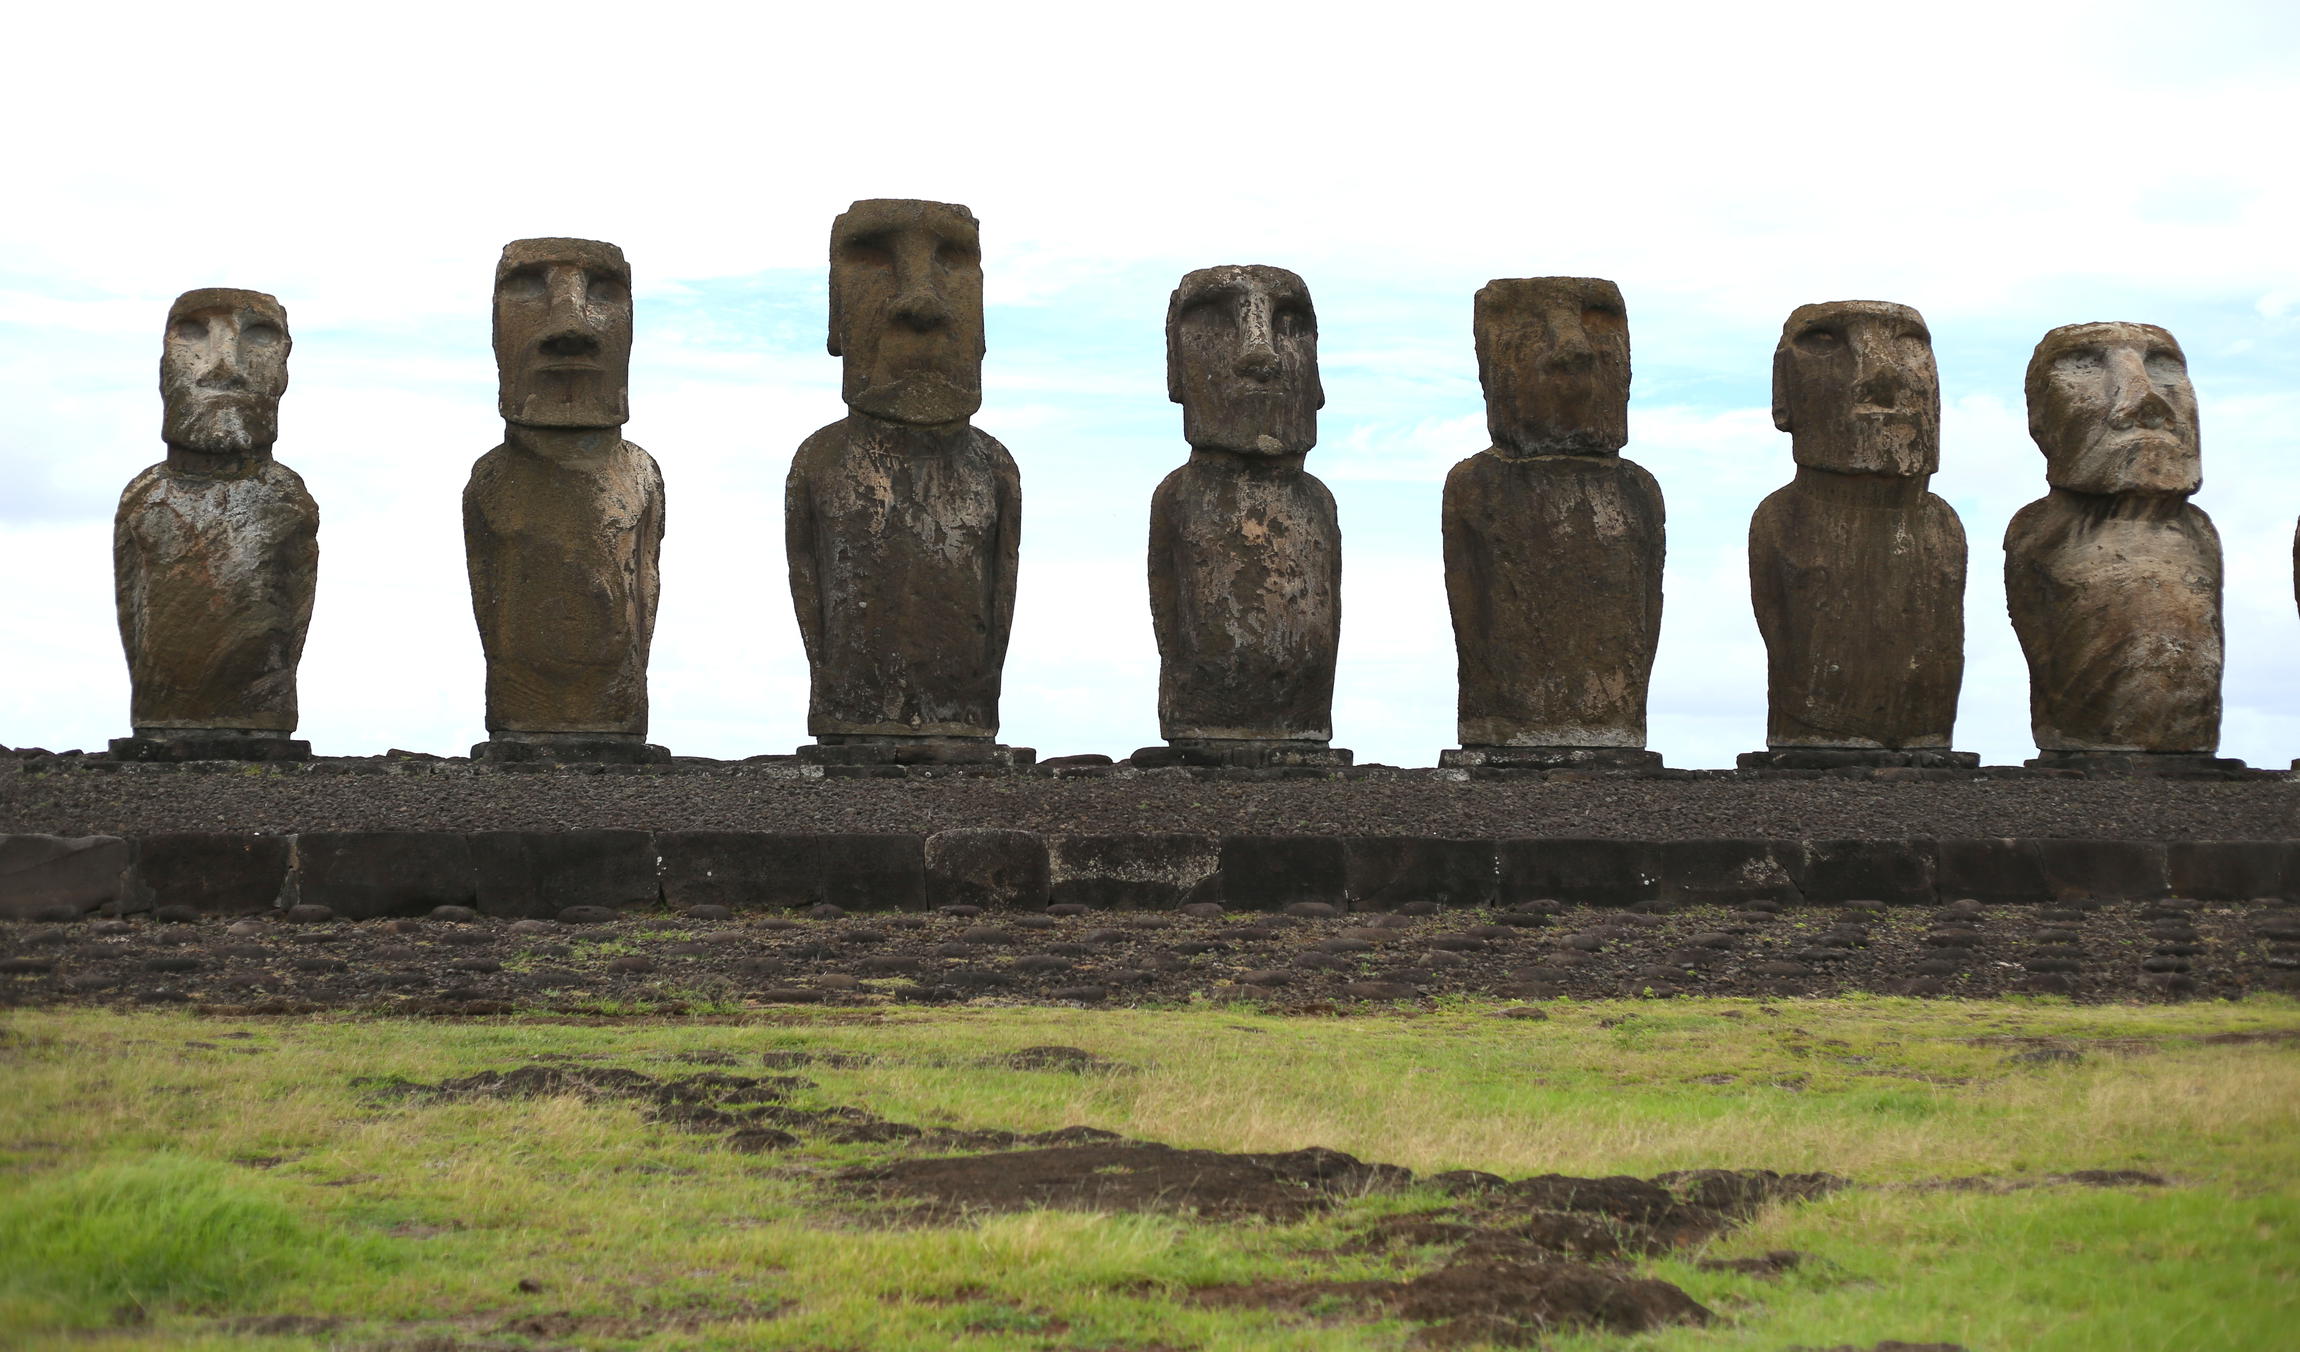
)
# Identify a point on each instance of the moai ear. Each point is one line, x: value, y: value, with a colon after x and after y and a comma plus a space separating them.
x: 833, y: 341
x: 1174, y: 347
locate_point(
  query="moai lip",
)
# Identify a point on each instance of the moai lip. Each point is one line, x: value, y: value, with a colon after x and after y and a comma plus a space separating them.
x: 563, y: 522
x: 1553, y: 542
x: 1856, y: 571
x: 2113, y: 578
x: 216, y: 549
x: 903, y: 521
x: 1245, y: 557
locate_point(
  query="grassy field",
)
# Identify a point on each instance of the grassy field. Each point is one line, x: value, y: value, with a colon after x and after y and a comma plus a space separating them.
x: 173, y: 1181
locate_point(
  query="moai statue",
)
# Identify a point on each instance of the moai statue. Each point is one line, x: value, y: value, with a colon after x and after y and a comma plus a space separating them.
x: 1553, y: 542
x: 2113, y: 577
x: 563, y: 523
x: 1245, y: 546
x: 215, y: 550
x: 1856, y: 571
x: 903, y: 521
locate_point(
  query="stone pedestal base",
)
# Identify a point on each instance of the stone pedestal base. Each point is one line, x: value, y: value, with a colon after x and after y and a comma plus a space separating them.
x: 1549, y: 758
x: 570, y: 748
x: 2136, y: 762
x: 1855, y: 757
x: 1242, y: 754
x: 210, y: 744
x: 897, y: 751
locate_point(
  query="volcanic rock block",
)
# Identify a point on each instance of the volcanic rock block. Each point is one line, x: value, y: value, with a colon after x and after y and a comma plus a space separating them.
x: 1135, y: 871
x: 1578, y: 872
x: 1897, y: 872
x: 1553, y: 542
x: 539, y: 874
x: 1268, y: 873
x: 1245, y: 556
x: 563, y: 523
x: 741, y: 869
x: 364, y: 875
x: 1384, y: 872
x: 2113, y: 578
x: 902, y: 521
x: 58, y: 877
x: 2232, y: 870
x: 1003, y: 870
x: 215, y: 550
x: 875, y: 872
x: 1857, y: 572
x: 213, y: 872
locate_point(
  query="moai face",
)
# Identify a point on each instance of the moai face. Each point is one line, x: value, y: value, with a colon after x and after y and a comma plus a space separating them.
x: 563, y: 333
x: 1855, y: 385
x: 1553, y: 356
x: 223, y: 368
x: 2111, y: 408
x: 1242, y: 361
x: 906, y: 310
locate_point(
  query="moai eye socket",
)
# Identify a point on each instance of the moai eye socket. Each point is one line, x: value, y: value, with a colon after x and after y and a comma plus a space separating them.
x: 605, y: 288
x: 1292, y: 321
x: 261, y: 335
x: 524, y: 284
x: 1820, y: 342
x: 190, y: 330
x: 870, y: 251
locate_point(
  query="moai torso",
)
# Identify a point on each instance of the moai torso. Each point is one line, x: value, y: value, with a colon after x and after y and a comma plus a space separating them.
x: 2113, y: 579
x: 903, y: 522
x: 1859, y: 589
x: 215, y: 579
x: 563, y: 567
x: 1553, y: 542
x: 563, y: 523
x: 1246, y: 601
x: 216, y: 550
x: 903, y: 552
x: 1245, y: 545
x: 1856, y: 572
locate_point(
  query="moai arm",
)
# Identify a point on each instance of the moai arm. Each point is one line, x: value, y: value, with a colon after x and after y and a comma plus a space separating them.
x: 1165, y: 583
x: 128, y: 577
x: 1009, y: 557
x: 799, y: 548
x: 479, y: 560
x: 652, y: 523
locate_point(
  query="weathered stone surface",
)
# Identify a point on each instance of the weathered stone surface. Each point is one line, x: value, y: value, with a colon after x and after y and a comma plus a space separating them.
x: 534, y: 874
x: 1897, y: 872
x: 213, y: 872
x: 1136, y: 871
x: 1578, y: 872
x: 563, y: 523
x: 49, y: 877
x: 1383, y: 872
x: 361, y: 875
x: 1553, y: 542
x: 875, y: 872
x: 215, y: 550
x: 1005, y: 870
x: 740, y: 869
x: 2113, y: 578
x: 1267, y: 873
x: 903, y: 522
x: 1245, y: 555
x: 1857, y: 572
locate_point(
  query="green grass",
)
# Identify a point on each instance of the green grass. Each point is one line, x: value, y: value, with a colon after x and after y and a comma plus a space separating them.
x: 154, y: 1192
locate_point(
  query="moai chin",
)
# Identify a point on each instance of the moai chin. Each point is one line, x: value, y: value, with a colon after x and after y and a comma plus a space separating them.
x: 1553, y: 541
x: 2113, y: 577
x: 215, y: 550
x: 1856, y: 571
x: 903, y: 522
x: 1245, y: 546
x: 563, y: 523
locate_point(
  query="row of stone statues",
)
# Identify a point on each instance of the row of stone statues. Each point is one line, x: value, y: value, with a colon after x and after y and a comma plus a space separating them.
x: 903, y: 522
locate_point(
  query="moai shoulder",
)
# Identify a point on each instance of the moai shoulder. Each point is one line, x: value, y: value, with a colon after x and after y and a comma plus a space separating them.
x: 2113, y: 578
x: 1553, y: 541
x: 1245, y: 557
x: 216, y: 549
x: 563, y: 523
x: 1856, y: 571
x: 902, y: 521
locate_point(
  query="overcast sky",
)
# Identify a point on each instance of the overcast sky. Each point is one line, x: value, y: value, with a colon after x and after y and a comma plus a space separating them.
x: 2003, y: 167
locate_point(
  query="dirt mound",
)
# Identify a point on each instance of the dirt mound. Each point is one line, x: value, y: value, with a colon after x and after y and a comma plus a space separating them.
x: 1514, y: 1304
x: 1131, y: 1176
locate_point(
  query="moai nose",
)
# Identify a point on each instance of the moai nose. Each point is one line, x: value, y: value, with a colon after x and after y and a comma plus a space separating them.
x: 1258, y: 361
x: 921, y: 308
x: 2135, y: 400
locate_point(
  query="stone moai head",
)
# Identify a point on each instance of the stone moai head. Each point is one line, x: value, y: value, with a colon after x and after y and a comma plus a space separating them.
x: 906, y: 310
x: 2111, y: 408
x: 1553, y: 356
x: 223, y: 368
x: 1242, y: 360
x: 563, y: 333
x: 1855, y: 387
